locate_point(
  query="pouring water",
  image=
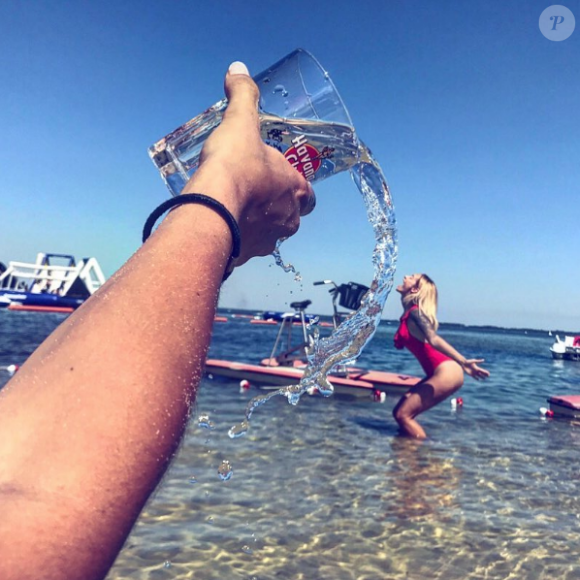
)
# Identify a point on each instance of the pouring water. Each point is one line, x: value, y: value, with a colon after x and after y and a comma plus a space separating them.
x: 348, y: 340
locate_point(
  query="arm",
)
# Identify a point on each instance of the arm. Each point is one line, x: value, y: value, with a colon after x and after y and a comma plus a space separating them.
x: 422, y: 329
x: 90, y: 423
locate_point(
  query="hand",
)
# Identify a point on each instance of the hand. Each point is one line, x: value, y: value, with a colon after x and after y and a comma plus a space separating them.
x: 473, y: 370
x: 261, y: 189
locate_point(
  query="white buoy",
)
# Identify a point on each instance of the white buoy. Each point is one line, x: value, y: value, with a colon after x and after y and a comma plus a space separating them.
x: 10, y: 369
x: 456, y: 402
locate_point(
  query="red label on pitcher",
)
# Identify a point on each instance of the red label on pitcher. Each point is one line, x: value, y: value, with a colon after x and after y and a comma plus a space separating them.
x: 304, y: 157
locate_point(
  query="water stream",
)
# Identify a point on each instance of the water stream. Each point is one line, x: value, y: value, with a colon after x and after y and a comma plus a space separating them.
x: 346, y: 343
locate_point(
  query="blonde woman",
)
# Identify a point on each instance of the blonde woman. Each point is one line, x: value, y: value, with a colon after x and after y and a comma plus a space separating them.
x: 442, y: 364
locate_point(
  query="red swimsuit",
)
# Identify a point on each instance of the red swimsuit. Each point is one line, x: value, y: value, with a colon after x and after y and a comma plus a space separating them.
x: 429, y: 357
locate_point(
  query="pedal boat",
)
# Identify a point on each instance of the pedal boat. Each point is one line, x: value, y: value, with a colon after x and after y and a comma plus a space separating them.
x: 288, y: 366
x: 352, y: 382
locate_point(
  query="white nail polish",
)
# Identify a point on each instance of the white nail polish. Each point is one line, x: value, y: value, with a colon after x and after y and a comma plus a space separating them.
x: 238, y: 68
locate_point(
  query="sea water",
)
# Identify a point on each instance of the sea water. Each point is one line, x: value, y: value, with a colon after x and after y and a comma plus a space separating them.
x: 329, y: 491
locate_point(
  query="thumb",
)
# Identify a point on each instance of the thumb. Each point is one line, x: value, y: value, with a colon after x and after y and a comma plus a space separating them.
x: 241, y: 91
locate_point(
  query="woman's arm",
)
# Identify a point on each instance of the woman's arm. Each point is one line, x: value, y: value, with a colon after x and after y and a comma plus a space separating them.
x: 422, y: 329
x: 90, y: 423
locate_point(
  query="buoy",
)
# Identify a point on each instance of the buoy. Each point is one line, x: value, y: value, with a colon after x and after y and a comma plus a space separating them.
x: 10, y: 369
x: 379, y: 396
x: 456, y: 402
x: 546, y: 412
x: 244, y: 385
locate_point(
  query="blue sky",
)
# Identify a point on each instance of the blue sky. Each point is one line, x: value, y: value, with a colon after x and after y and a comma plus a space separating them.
x: 472, y: 113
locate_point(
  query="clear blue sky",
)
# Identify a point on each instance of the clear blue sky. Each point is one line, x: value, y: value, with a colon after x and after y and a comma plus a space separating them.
x: 472, y: 113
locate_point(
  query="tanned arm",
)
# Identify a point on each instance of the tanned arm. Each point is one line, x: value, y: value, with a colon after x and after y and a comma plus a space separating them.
x: 90, y: 423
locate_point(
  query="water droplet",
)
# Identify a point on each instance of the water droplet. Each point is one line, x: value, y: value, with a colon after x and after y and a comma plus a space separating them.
x: 280, y: 89
x: 204, y: 422
x: 247, y: 550
x: 293, y: 398
x: 225, y: 470
x: 239, y: 430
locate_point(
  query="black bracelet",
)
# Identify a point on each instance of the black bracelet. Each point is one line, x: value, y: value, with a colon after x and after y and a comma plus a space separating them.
x: 203, y: 200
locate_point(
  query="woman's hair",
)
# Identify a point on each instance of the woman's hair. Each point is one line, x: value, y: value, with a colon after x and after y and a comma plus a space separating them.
x: 426, y: 298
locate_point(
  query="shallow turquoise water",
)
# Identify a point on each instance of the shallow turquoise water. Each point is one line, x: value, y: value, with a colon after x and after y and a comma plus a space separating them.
x: 327, y: 490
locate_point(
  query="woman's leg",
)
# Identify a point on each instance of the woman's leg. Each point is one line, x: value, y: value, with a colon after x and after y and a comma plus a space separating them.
x: 447, y: 378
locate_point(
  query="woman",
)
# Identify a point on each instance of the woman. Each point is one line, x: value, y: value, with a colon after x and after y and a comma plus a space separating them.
x: 442, y: 364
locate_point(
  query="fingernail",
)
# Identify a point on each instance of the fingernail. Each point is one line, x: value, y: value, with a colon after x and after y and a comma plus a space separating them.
x: 238, y: 68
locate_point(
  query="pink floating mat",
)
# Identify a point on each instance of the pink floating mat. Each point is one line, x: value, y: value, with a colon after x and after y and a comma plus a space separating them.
x: 570, y: 401
x: 565, y: 405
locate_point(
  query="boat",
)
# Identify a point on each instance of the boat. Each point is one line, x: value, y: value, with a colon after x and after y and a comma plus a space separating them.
x: 271, y: 316
x: 53, y: 283
x: 352, y: 382
x: 286, y: 363
x: 568, y: 349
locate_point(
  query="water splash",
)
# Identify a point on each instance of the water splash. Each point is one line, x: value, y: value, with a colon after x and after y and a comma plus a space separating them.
x: 347, y: 342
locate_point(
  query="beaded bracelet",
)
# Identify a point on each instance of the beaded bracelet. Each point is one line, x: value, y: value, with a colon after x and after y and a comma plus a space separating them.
x: 203, y: 200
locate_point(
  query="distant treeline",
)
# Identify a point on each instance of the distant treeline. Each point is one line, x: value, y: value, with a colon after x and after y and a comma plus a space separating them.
x: 444, y: 325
